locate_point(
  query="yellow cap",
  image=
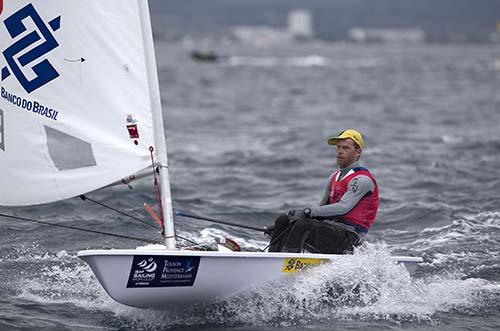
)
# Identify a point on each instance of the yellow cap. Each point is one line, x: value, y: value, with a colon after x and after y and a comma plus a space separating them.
x: 350, y: 133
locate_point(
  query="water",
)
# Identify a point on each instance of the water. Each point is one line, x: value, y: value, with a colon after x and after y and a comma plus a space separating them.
x: 247, y: 140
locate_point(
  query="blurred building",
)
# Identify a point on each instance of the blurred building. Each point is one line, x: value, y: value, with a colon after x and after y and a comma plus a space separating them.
x: 362, y: 35
x: 299, y: 27
x: 300, y: 24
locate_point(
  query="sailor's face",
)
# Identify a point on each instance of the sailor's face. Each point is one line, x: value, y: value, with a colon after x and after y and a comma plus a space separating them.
x: 347, y: 153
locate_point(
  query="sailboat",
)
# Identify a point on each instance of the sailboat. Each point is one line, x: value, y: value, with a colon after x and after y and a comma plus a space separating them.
x: 79, y: 110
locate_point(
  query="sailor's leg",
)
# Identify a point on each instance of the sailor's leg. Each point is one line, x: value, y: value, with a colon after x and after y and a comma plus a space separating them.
x: 353, y: 239
x: 298, y: 235
x: 280, y: 232
x: 333, y: 239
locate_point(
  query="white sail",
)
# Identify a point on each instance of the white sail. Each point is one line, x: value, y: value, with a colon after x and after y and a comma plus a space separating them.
x: 75, y: 105
x: 159, y: 136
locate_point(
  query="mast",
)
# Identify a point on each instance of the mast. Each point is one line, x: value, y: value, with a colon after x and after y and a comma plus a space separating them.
x: 158, y: 129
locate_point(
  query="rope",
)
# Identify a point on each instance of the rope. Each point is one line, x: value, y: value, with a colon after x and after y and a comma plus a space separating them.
x: 156, y: 186
x: 188, y: 240
x: 213, y: 220
x: 83, y: 197
x: 151, y: 241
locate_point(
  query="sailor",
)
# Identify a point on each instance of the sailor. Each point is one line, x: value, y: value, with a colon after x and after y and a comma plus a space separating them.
x: 346, y: 211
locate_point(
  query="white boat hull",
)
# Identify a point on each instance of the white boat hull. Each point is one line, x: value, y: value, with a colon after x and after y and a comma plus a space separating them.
x: 159, y: 279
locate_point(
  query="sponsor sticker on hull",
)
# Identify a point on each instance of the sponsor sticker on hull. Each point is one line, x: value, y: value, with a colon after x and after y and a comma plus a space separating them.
x: 163, y: 271
x: 292, y: 265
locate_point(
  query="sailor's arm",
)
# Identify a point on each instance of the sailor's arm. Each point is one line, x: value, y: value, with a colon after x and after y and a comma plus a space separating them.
x: 358, y: 187
x: 326, y: 193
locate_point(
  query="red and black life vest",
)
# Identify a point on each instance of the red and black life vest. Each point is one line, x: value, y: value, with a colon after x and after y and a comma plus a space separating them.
x: 364, y: 213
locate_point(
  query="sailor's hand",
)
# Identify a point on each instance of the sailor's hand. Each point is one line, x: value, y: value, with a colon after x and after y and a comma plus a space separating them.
x: 297, y: 214
x: 268, y: 230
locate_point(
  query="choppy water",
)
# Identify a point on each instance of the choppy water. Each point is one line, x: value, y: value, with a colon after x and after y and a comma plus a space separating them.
x: 247, y: 140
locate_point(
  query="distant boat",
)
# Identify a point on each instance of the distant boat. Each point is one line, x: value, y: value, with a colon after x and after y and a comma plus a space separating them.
x: 495, y: 36
x: 205, y: 56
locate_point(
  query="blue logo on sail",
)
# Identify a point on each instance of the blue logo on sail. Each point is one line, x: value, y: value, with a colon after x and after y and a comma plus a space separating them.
x: 30, y: 47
